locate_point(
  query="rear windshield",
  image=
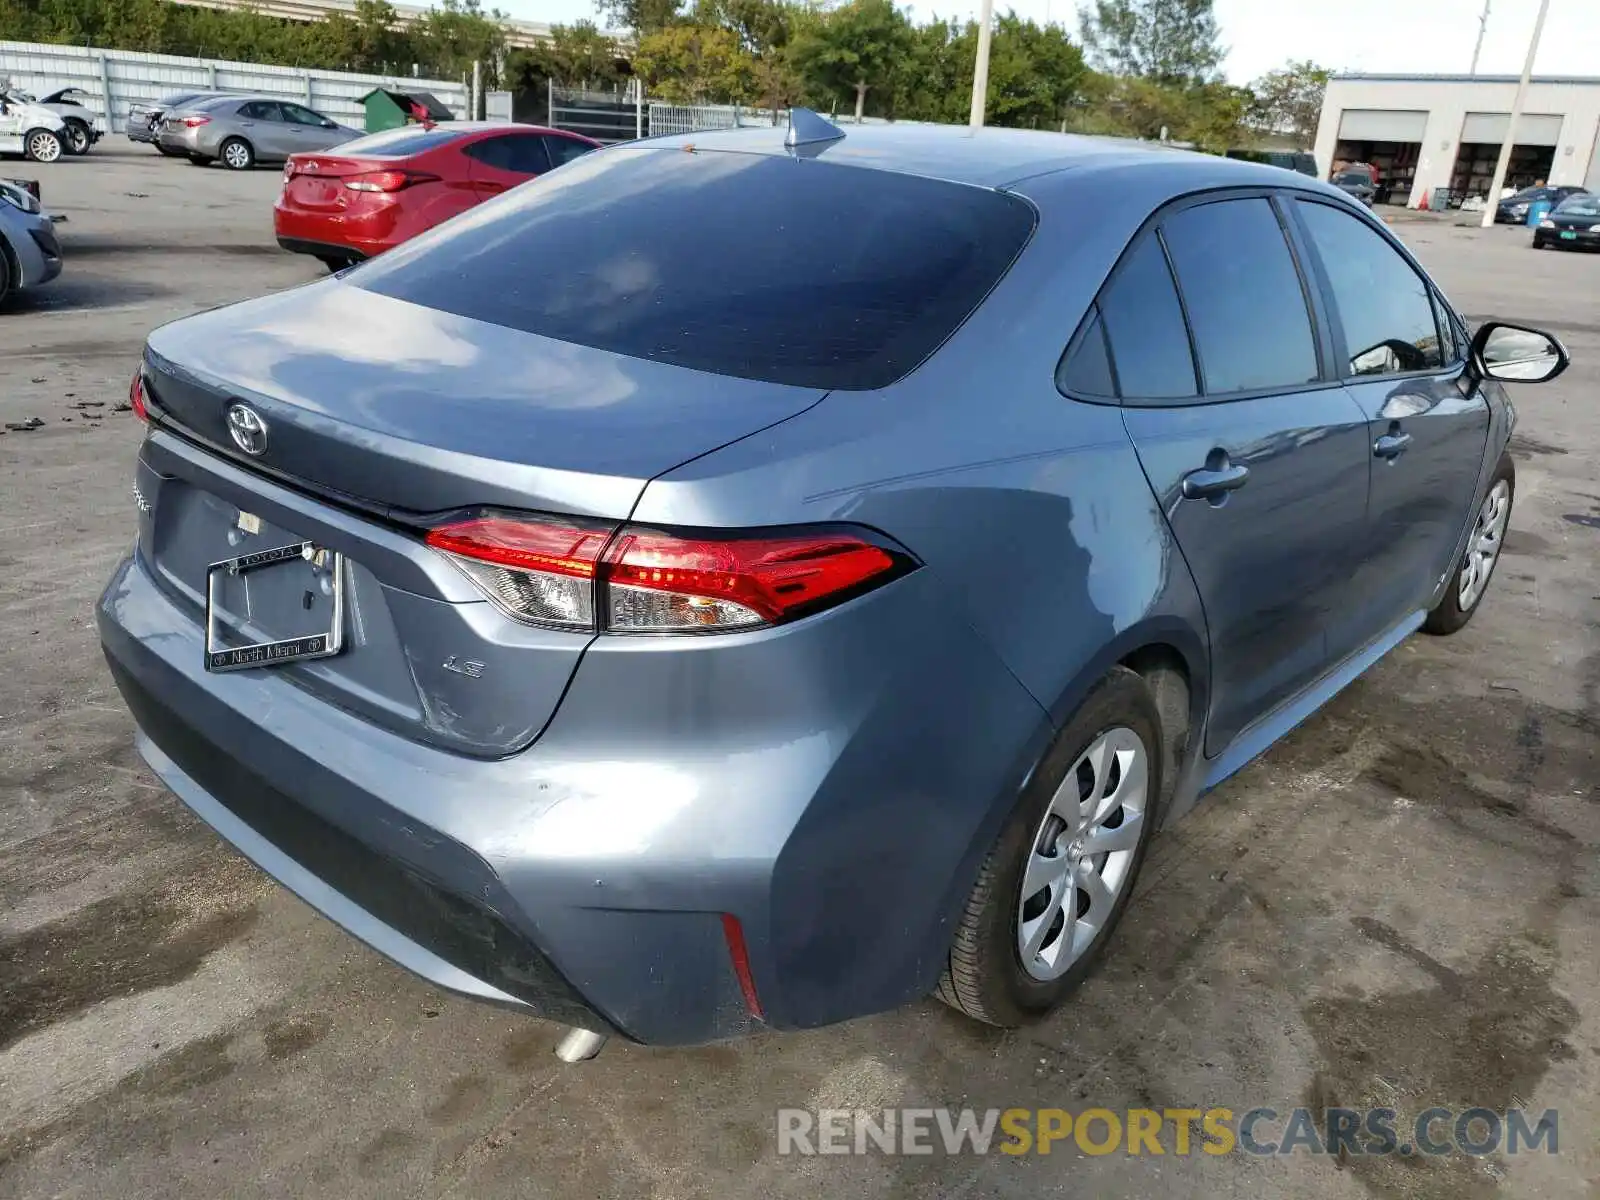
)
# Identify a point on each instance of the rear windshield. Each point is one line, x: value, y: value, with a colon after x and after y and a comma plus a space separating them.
x: 401, y: 142
x: 1354, y: 177
x: 771, y: 268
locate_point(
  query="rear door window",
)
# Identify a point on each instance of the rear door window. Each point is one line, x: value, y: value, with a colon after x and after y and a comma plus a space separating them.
x: 1384, y: 307
x: 1242, y: 292
x: 564, y: 149
x: 793, y: 271
x: 1144, y: 326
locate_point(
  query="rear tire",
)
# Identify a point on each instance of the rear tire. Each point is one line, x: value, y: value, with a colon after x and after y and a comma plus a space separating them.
x: 1110, y: 758
x: 78, y: 138
x: 1470, y: 582
x: 335, y: 263
x: 237, y: 154
x: 199, y: 160
x: 167, y: 150
x: 42, y: 146
x: 8, y: 273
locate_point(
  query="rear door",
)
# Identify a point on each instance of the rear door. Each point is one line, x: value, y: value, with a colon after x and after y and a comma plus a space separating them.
x: 1403, y: 360
x: 501, y: 163
x: 1260, y: 460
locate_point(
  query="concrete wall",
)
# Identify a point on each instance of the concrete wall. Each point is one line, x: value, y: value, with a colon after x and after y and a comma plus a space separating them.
x: 1448, y: 100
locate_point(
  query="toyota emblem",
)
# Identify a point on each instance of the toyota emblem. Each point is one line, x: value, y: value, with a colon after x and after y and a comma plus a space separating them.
x: 248, y: 430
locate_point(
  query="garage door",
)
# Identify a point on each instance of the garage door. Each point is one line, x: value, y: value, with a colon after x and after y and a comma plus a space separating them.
x: 1381, y: 125
x: 1533, y: 129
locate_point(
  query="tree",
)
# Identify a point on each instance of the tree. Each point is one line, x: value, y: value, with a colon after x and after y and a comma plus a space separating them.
x: 686, y: 64
x: 855, y: 48
x: 1174, y: 43
x: 641, y: 16
x: 458, y: 33
x: 1288, y: 101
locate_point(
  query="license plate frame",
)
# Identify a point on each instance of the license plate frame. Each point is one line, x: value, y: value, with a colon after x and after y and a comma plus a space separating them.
x: 220, y: 658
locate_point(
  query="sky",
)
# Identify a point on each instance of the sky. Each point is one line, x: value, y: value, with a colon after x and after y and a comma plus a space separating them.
x: 1429, y: 36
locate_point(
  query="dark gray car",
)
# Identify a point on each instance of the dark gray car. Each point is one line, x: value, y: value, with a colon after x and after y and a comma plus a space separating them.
x: 738, y: 582
x: 1357, y: 184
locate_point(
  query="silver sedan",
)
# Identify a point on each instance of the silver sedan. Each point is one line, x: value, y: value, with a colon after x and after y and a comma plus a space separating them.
x: 244, y: 130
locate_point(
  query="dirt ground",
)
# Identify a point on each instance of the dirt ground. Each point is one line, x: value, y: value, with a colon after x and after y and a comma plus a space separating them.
x: 1398, y: 906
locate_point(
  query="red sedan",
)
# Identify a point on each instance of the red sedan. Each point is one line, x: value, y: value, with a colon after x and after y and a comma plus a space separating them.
x: 380, y: 190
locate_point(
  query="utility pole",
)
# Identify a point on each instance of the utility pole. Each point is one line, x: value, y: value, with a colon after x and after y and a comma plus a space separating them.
x: 980, y: 69
x: 1483, y: 24
x: 1492, y: 201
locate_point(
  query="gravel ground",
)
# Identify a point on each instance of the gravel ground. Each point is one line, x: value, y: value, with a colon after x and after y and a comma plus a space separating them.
x: 1397, y: 906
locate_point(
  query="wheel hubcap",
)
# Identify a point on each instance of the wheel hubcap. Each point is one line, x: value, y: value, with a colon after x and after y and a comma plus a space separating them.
x: 45, y: 148
x: 1082, y: 854
x: 1488, y: 533
x: 237, y: 156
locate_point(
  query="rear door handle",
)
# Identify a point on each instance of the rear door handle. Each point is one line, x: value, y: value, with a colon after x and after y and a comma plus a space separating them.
x: 1391, y: 445
x: 1212, y: 483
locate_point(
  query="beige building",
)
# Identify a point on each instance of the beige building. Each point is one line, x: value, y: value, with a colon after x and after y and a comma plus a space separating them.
x: 1426, y: 132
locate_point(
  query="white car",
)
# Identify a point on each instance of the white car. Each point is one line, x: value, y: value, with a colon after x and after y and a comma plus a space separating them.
x: 31, y: 130
x: 83, y: 127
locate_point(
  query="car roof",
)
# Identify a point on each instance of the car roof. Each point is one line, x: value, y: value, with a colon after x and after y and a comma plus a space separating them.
x: 987, y: 157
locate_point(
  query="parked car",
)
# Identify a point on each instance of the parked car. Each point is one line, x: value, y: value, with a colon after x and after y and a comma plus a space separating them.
x: 244, y: 130
x: 1513, y: 210
x: 31, y: 130
x: 768, y: 618
x: 81, y: 128
x: 1289, y: 160
x: 30, y: 253
x: 1574, y: 224
x: 144, y: 119
x: 384, y: 189
x: 1357, y: 184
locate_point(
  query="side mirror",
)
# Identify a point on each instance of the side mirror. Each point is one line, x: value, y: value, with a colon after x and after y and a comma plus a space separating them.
x: 1515, y: 354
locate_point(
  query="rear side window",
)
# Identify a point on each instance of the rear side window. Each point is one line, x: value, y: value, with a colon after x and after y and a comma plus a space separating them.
x: 565, y: 149
x: 521, y: 154
x: 1086, y: 367
x: 792, y: 271
x: 1144, y: 325
x: 1384, y: 306
x: 1246, y: 306
x: 401, y: 142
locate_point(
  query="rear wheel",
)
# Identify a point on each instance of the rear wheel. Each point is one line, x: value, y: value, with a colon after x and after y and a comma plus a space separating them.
x: 336, y: 262
x: 168, y: 150
x: 199, y: 160
x: 42, y: 145
x: 1055, y: 883
x: 1471, y: 580
x: 77, y: 137
x: 237, y: 155
x: 8, y: 273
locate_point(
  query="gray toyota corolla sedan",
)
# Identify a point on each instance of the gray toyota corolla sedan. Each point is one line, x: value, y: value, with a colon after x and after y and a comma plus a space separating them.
x: 745, y: 580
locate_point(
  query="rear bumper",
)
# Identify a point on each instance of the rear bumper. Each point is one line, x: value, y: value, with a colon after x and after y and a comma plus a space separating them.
x: 831, y: 785
x: 360, y: 233
x: 318, y: 249
x: 39, y: 253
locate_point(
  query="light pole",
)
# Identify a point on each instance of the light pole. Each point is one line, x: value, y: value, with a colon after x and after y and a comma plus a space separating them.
x: 1483, y: 24
x: 1492, y: 200
x: 980, y: 69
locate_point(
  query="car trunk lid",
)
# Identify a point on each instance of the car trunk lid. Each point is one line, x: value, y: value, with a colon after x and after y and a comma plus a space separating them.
x: 375, y: 417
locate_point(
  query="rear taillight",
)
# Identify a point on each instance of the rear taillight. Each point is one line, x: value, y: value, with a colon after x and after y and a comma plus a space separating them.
x: 540, y: 571
x: 196, y: 121
x: 136, y: 398
x: 578, y: 575
x: 387, y: 181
